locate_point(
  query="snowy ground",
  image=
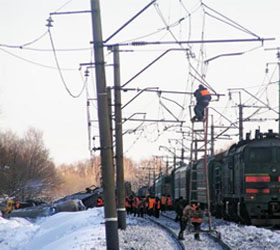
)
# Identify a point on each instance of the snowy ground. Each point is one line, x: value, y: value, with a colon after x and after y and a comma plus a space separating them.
x: 85, y: 230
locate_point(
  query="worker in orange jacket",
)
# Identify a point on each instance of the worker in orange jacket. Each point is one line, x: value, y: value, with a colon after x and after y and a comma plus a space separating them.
x: 203, y: 97
x: 99, y: 202
x: 151, y: 203
x: 163, y: 202
x: 17, y: 205
x: 196, y: 218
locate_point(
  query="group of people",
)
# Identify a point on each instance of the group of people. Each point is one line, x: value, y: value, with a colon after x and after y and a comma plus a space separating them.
x: 185, y: 213
x: 150, y: 205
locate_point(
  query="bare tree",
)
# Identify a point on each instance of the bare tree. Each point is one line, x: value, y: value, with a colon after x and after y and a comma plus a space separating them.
x: 30, y: 173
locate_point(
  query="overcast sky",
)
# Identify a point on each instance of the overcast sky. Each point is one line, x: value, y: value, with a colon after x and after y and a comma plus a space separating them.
x: 33, y: 94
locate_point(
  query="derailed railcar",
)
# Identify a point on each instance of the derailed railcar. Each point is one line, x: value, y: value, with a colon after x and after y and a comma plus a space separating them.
x: 88, y: 197
x: 249, y: 188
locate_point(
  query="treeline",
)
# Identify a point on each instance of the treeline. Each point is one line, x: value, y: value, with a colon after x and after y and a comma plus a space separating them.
x: 28, y: 173
x: 26, y: 170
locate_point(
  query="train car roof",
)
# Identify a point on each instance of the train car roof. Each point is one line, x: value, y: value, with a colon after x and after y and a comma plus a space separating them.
x: 264, y: 139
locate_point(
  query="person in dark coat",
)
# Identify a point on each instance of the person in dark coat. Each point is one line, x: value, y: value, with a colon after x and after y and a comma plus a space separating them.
x: 157, y: 206
x: 184, y: 221
x: 179, y: 206
x: 203, y: 98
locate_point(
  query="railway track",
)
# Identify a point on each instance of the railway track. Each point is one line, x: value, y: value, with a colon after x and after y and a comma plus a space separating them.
x: 213, y: 235
x: 178, y: 243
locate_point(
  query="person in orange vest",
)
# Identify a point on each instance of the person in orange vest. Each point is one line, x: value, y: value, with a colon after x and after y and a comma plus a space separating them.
x: 17, y: 206
x: 163, y: 202
x: 196, y: 218
x: 203, y: 97
x: 151, y: 203
x: 99, y: 202
x: 169, y: 203
x: 157, y: 206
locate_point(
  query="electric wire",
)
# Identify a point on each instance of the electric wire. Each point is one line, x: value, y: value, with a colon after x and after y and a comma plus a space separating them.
x: 176, y: 23
x: 172, y: 34
x: 165, y: 23
x: 237, y: 25
x: 60, y: 71
x: 62, y: 6
x: 22, y: 46
x: 50, y: 50
x: 33, y: 62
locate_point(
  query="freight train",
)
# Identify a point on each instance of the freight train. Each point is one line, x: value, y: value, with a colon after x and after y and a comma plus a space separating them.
x: 244, y: 181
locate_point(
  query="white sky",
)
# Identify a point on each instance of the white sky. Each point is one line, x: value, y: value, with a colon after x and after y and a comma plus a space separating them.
x: 34, y: 96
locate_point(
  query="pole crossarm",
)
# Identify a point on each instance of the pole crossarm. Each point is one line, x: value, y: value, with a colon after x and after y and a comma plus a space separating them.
x: 137, y: 113
x: 164, y: 91
x: 221, y: 55
x: 71, y: 12
x: 144, y: 43
x: 267, y: 106
x: 141, y: 91
x: 151, y: 120
x: 158, y: 91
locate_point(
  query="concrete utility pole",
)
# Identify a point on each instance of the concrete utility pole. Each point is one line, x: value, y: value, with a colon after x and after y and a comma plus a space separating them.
x: 109, y: 93
x: 111, y: 226
x: 119, y: 142
x: 212, y: 135
x: 240, y: 106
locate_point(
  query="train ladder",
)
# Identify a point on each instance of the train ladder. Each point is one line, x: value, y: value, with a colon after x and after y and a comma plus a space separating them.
x: 198, y: 150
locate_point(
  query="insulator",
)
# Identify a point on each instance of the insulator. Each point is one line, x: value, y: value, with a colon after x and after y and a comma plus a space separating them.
x: 50, y: 21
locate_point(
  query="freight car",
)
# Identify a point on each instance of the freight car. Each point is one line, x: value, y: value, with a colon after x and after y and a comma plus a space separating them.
x: 163, y: 186
x: 244, y: 181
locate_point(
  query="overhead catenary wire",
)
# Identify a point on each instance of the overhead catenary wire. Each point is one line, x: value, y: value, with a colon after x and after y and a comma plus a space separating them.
x: 63, y: 5
x: 234, y: 24
x: 22, y: 46
x: 60, y: 71
x: 35, y: 63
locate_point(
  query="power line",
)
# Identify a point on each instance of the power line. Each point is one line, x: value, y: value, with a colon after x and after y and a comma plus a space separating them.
x: 234, y: 24
x: 25, y: 44
x: 35, y: 63
x: 60, y: 72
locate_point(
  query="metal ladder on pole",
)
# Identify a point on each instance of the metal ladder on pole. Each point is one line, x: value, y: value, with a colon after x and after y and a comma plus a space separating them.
x: 199, y: 183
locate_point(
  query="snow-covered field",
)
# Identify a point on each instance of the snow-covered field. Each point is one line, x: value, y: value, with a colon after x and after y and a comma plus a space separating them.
x: 85, y: 230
